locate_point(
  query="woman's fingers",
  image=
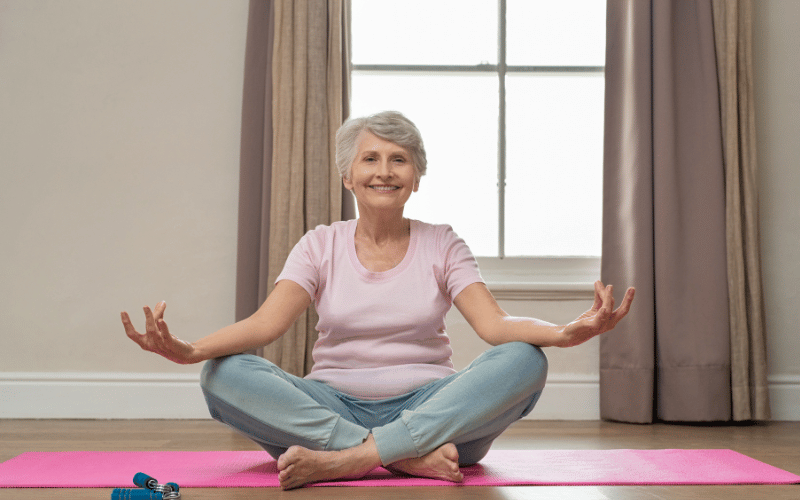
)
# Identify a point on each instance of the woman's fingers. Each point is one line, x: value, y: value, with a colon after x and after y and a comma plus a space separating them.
x: 159, y: 312
x: 598, y: 299
x: 129, y: 329
x: 152, y: 327
x: 149, y: 321
x: 162, y: 327
x: 157, y: 337
x: 623, y: 309
x: 607, y: 304
x: 599, y: 319
x: 144, y: 340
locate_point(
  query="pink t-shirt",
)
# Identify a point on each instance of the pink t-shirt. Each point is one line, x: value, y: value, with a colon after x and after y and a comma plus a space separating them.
x: 381, y: 334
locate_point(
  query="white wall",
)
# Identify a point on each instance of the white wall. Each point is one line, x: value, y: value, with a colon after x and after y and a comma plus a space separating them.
x: 119, y: 147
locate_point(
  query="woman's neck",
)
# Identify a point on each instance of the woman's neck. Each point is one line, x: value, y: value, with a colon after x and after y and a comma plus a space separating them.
x: 382, y: 228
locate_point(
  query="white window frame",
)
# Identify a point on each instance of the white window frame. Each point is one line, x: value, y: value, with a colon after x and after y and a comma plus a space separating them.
x: 516, y: 278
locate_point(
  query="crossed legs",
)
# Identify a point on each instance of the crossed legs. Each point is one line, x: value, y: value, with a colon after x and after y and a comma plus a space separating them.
x: 316, y: 435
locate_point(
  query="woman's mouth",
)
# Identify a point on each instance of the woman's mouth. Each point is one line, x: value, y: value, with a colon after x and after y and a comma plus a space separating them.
x: 385, y: 189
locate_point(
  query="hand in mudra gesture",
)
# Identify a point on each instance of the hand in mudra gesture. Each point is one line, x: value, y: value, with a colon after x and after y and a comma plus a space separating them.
x: 157, y: 338
x: 601, y: 318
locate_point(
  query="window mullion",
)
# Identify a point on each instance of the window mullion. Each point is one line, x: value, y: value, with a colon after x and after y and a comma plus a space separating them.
x: 501, y: 130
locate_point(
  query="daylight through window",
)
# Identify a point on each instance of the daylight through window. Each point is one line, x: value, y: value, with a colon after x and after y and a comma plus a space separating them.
x: 508, y: 96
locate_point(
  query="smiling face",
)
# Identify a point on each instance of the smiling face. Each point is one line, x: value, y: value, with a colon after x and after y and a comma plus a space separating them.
x: 382, y: 175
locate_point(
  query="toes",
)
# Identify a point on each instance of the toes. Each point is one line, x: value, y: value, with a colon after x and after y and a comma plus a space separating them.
x: 283, y: 462
x: 285, y: 473
x: 288, y: 457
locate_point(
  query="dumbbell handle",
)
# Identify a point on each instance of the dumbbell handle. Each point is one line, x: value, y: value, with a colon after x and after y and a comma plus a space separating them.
x: 135, y: 494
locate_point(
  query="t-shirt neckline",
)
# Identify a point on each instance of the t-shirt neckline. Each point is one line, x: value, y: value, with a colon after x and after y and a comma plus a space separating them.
x: 382, y: 275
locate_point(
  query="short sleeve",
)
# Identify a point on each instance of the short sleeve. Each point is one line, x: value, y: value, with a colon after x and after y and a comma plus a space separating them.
x: 302, y: 264
x: 460, y: 266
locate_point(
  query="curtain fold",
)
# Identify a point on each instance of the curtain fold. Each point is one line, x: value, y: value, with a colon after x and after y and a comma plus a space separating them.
x: 680, y: 215
x: 255, y: 163
x: 296, y: 95
x: 664, y: 216
x: 309, y: 73
x: 733, y: 28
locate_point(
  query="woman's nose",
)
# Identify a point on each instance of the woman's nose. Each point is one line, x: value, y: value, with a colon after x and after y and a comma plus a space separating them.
x: 385, y: 169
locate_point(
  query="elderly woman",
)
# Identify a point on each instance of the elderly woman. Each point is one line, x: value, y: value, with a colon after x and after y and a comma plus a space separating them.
x: 382, y: 390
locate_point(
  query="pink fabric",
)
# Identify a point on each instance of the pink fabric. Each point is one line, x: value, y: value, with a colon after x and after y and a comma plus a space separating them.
x: 86, y: 469
x: 381, y: 334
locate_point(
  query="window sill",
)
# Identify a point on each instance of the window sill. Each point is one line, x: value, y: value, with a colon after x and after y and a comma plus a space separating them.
x: 509, y: 290
x: 541, y: 278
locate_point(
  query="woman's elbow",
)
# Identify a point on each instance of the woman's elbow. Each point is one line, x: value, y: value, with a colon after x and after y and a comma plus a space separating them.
x: 492, y: 334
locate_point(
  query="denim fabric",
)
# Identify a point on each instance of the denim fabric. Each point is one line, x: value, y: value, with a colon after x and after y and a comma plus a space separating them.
x: 469, y: 408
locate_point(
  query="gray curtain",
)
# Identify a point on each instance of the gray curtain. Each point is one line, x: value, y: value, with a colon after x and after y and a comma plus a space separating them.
x: 664, y: 216
x: 299, y: 86
x: 255, y: 162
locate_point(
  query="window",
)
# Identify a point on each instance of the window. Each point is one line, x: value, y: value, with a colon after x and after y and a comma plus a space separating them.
x: 508, y: 95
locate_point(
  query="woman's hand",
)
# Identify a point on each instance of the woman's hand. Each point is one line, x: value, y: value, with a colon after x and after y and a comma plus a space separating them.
x: 157, y: 338
x: 601, y: 318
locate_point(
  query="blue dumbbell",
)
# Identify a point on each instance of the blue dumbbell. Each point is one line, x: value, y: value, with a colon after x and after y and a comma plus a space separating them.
x: 135, y: 494
x: 142, y: 480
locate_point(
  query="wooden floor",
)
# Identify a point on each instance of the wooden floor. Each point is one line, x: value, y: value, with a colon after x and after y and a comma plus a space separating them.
x: 775, y: 443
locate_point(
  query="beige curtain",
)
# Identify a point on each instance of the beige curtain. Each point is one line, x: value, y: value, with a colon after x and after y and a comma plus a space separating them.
x: 733, y: 29
x: 309, y: 75
x: 296, y: 96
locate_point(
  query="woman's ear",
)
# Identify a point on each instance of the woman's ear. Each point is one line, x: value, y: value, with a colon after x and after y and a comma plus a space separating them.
x: 348, y: 184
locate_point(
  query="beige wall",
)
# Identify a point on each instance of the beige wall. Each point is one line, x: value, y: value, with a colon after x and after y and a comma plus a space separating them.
x: 777, y: 66
x: 119, y: 149
x: 119, y: 146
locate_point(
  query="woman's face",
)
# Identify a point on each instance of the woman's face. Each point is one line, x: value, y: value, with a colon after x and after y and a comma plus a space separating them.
x: 382, y: 175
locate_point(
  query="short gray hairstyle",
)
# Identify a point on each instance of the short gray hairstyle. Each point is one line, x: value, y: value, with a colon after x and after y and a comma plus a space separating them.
x: 391, y: 126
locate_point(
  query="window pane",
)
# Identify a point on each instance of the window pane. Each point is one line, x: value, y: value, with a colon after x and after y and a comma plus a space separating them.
x: 556, y: 33
x: 424, y: 32
x: 457, y: 116
x: 554, y: 165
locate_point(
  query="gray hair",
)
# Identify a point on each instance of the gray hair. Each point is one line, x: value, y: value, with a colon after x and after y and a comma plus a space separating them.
x: 390, y: 126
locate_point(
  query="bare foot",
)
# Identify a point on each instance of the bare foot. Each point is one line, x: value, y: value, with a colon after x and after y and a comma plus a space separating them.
x: 299, y: 466
x: 441, y: 463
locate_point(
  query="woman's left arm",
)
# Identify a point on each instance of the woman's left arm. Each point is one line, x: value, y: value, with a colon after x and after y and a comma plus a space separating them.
x: 495, y: 326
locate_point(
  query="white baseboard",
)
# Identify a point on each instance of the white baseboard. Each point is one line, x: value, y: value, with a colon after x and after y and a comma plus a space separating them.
x: 568, y: 397
x: 101, y: 395
x: 784, y: 397
x: 178, y: 396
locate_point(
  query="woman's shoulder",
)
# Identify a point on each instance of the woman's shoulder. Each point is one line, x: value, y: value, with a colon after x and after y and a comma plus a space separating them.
x: 427, y: 227
x: 325, y: 231
x: 325, y: 237
x: 437, y: 235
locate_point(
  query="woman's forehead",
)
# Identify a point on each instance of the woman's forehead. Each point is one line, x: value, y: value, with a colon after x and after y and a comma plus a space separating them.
x: 367, y: 141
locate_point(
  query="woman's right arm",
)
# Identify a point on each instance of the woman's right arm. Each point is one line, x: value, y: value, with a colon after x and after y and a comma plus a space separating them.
x: 282, y: 307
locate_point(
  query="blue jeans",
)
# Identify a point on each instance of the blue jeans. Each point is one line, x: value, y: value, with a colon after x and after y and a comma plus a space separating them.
x: 469, y: 408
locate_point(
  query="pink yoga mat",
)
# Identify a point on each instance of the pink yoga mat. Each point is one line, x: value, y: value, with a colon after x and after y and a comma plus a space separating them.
x: 87, y: 469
